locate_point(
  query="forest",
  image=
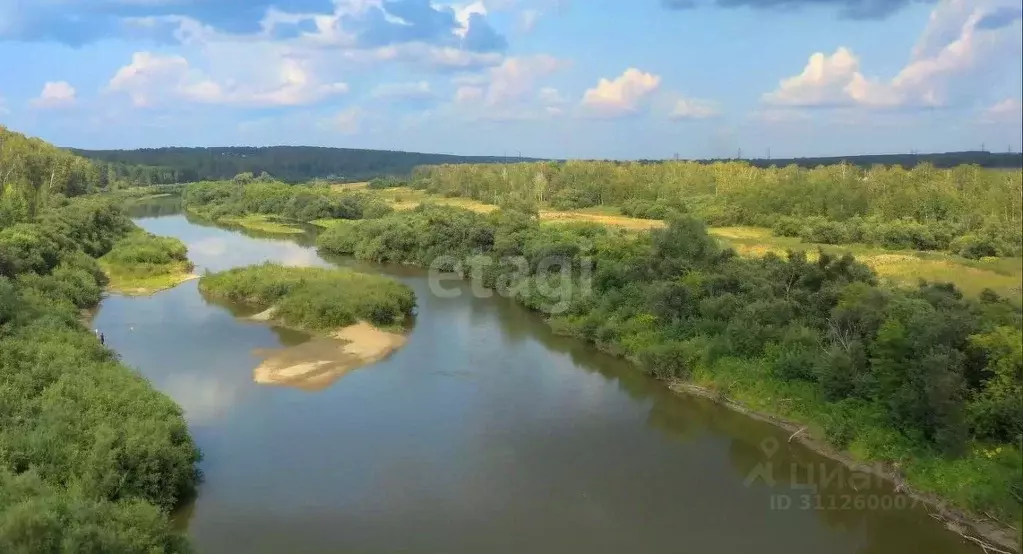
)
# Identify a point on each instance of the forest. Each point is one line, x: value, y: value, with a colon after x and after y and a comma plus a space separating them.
x: 92, y: 458
x: 924, y: 378
x: 968, y: 210
x: 313, y: 298
x: 982, y: 158
x: 292, y: 164
x: 295, y: 164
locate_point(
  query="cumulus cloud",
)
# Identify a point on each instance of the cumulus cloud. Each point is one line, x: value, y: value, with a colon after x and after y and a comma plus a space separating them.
x: 84, y: 21
x: 694, y: 108
x: 405, y: 21
x: 850, y: 9
x: 512, y: 81
x: 1009, y: 110
x: 621, y: 96
x: 55, y: 94
x: 151, y: 79
x: 953, y: 51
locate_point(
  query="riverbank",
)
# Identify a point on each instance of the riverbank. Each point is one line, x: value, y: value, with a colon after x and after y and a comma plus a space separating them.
x: 142, y: 264
x: 762, y: 331
x: 262, y: 223
x: 990, y: 534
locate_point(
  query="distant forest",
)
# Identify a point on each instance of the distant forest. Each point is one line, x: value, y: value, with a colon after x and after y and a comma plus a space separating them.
x: 293, y: 164
x: 945, y: 160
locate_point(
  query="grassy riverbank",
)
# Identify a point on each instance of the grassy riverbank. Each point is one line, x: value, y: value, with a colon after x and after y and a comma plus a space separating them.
x: 921, y: 377
x: 263, y: 223
x: 142, y: 264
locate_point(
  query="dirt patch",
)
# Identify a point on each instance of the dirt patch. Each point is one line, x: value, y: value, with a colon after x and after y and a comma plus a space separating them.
x: 265, y: 315
x: 318, y: 363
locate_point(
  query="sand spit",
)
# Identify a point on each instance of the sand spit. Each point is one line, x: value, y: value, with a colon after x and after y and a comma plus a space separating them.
x: 318, y: 363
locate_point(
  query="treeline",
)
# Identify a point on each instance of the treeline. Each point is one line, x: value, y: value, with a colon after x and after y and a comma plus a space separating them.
x: 925, y: 378
x: 293, y: 164
x: 92, y: 458
x: 314, y: 298
x: 946, y: 160
x: 969, y: 210
x: 246, y: 194
x: 34, y: 173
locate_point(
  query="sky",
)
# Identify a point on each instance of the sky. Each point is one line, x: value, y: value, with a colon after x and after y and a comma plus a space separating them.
x: 621, y: 79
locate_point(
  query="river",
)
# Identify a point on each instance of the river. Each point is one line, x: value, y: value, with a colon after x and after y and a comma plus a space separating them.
x: 484, y: 434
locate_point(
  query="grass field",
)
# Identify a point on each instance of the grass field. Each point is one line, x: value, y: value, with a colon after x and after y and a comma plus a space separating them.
x: 899, y: 267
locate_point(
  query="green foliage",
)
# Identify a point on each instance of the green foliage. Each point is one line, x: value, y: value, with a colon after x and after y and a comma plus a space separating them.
x: 245, y: 195
x: 92, y: 458
x: 972, y: 211
x: 901, y: 375
x: 144, y: 249
x: 314, y: 298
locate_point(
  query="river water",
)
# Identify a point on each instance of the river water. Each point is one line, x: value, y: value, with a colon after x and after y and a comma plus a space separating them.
x: 484, y: 434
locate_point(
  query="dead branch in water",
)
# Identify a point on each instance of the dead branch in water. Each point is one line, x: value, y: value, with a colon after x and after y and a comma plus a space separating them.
x: 960, y: 530
x: 796, y: 433
x: 996, y: 520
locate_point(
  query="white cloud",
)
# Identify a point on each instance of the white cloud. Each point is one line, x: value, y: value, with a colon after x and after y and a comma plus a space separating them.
x: 55, y: 94
x: 463, y: 13
x: 151, y: 79
x: 950, y: 54
x: 509, y: 83
x: 1009, y: 110
x: 694, y: 108
x: 550, y: 96
x: 621, y: 96
x: 3, y: 106
x: 516, y: 77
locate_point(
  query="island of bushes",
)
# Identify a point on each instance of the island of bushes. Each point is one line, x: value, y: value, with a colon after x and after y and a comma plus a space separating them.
x: 359, y: 318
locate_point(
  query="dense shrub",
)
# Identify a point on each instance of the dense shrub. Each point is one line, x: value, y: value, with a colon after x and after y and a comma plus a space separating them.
x: 920, y: 376
x: 295, y: 202
x: 314, y: 298
x: 92, y: 458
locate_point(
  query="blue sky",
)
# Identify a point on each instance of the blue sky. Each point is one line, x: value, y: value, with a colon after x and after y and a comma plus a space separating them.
x: 549, y: 78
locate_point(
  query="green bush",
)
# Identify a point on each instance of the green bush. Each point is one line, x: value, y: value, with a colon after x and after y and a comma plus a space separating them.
x: 314, y: 298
